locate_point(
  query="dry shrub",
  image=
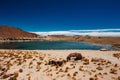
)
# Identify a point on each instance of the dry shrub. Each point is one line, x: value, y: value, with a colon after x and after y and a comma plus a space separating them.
x: 12, y: 78
x: 113, y: 71
x: 99, y: 68
x: 20, y: 70
x: 56, y: 63
x: 117, y: 55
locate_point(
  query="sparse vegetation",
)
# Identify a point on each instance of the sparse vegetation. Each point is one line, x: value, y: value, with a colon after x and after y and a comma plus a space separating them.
x: 113, y: 71
x: 99, y: 68
x: 12, y: 78
x: 117, y: 55
x: 56, y: 63
x: 20, y: 70
x: 54, y: 67
x: 38, y: 67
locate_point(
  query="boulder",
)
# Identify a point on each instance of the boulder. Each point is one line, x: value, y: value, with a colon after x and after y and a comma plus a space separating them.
x: 75, y: 56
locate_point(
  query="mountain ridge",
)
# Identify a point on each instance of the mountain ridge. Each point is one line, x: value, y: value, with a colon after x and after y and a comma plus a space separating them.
x: 14, y: 32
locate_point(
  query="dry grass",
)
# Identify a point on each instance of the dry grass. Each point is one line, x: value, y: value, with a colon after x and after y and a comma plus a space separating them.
x: 117, y: 55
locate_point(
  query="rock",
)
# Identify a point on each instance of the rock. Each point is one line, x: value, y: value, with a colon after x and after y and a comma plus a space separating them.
x: 75, y: 56
x: 103, y: 49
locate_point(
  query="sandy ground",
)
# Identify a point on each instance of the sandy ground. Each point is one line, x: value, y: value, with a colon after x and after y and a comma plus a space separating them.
x: 35, y: 65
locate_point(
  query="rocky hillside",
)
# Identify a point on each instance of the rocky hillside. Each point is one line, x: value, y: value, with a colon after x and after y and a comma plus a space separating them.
x: 12, y: 32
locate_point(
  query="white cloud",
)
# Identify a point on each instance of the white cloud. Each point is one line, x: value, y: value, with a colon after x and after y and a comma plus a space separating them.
x: 98, y: 32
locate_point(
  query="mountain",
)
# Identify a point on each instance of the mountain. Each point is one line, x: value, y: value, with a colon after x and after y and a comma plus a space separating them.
x: 12, y: 32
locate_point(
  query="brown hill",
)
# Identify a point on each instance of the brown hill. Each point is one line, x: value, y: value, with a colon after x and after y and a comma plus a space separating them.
x: 12, y: 32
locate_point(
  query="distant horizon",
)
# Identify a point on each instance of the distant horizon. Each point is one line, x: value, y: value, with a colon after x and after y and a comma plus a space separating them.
x: 106, y: 32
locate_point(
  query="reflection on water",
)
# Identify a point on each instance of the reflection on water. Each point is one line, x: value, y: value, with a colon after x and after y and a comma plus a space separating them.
x: 8, y: 45
x: 47, y: 45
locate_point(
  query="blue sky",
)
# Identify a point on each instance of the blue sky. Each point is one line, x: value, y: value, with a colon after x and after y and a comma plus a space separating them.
x: 52, y: 15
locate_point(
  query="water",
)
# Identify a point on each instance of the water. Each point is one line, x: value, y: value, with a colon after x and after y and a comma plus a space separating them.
x: 52, y: 45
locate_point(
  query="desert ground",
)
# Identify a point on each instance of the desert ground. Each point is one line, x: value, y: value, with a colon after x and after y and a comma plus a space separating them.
x: 53, y: 65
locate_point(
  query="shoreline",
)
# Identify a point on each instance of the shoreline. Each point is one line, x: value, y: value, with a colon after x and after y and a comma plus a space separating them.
x: 114, y: 41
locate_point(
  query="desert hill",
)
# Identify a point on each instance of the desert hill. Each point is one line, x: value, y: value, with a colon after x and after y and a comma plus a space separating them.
x: 12, y: 32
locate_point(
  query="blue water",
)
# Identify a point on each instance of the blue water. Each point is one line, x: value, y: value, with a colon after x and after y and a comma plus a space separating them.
x: 53, y: 45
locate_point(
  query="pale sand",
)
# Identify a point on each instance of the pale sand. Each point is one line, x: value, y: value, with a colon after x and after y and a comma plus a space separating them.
x: 34, y: 65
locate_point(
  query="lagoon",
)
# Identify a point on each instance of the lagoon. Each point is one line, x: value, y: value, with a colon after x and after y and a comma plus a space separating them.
x: 53, y: 45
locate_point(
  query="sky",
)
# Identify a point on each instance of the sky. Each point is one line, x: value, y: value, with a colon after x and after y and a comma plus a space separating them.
x: 60, y: 15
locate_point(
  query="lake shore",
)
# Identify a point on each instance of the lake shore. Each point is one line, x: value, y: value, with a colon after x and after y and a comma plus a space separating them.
x: 34, y: 65
x: 114, y: 41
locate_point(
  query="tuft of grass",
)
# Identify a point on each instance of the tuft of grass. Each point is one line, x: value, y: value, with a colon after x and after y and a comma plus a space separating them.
x: 99, y: 68
x: 116, y: 55
x: 0, y: 66
x: 66, y: 69
x: 54, y: 79
x: 12, y: 78
x: 73, y: 78
x: 113, y: 71
x: 38, y: 67
x: 29, y: 78
x: 16, y: 74
x: 75, y: 73
x: 93, y: 70
x: 63, y: 75
x: 68, y: 75
x: 81, y: 68
x: 5, y: 76
x: 30, y: 63
x: 86, y: 61
x: 118, y: 77
x: 20, y: 70
x: 93, y: 78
